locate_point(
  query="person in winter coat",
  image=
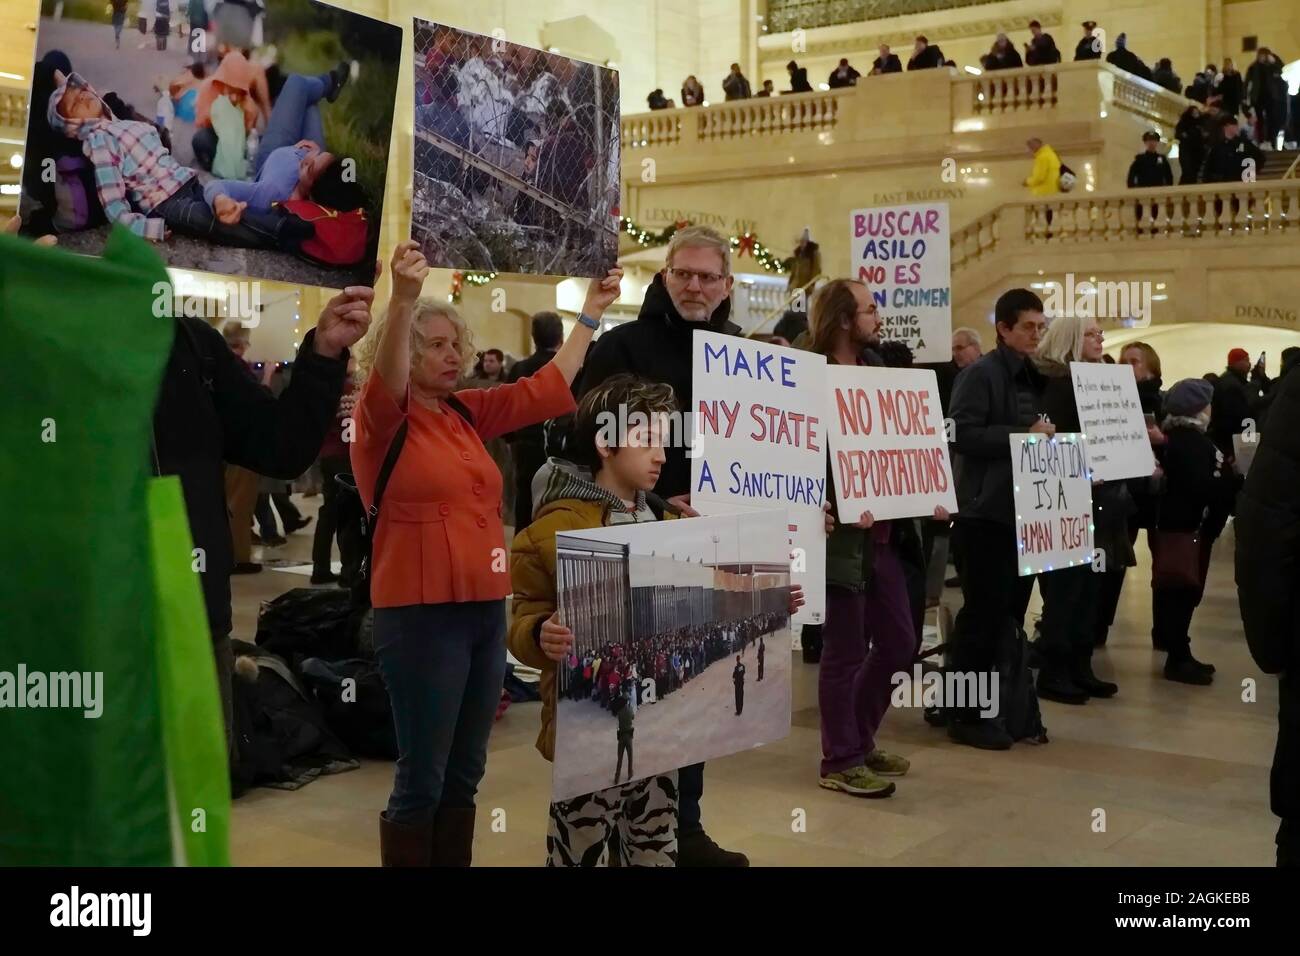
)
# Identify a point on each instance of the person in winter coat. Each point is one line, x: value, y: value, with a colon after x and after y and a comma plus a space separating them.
x: 657, y: 101
x: 843, y: 75
x: 1045, y: 178
x: 738, y: 679
x: 1071, y: 595
x: 693, y: 291
x: 868, y: 634
x: 1164, y: 75
x: 1267, y: 528
x: 1261, y: 93
x: 798, y: 78
x: 925, y: 56
x: 1041, y: 49
x: 1089, y: 46
x: 1126, y: 59
x: 886, y: 62
x: 995, y: 396
x: 1190, y: 133
x: 1003, y: 55
x: 1226, y: 160
x: 1238, y: 397
x: 1150, y: 168
x: 1199, y: 489
x: 437, y: 590
x: 692, y: 92
x: 734, y: 84
x: 1231, y: 88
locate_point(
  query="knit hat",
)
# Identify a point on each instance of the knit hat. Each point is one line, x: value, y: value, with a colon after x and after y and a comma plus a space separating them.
x: 1189, y: 397
x: 1236, y: 355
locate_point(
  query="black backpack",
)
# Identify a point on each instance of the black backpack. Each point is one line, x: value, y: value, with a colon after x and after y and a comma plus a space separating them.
x: 1018, y: 703
x: 360, y: 584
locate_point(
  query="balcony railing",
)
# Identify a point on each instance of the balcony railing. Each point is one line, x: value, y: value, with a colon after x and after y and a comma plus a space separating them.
x: 1154, y: 216
x: 761, y: 116
x: 13, y: 108
x: 783, y: 15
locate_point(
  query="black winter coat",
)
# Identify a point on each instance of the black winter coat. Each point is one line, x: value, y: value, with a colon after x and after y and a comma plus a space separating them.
x: 1235, y: 399
x: 1087, y: 49
x: 1127, y: 60
x: 210, y: 411
x: 1148, y: 170
x: 1232, y: 88
x: 892, y: 65
x: 927, y: 59
x: 657, y: 346
x: 993, y: 398
x: 1199, y: 486
x: 1268, y: 538
x: 1226, y: 161
x: 1042, y: 51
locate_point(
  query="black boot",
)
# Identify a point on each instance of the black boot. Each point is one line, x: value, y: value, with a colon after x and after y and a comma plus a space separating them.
x: 452, y: 840
x: 983, y: 733
x: 1089, y: 682
x: 402, y: 844
x: 1054, y: 684
x: 340, y: 75
x: 696, y: 849
x: 1188, y: 670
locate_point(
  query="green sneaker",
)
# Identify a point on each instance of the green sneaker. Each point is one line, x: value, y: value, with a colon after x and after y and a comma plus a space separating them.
x: 886, y: 764
x: 857, y: 782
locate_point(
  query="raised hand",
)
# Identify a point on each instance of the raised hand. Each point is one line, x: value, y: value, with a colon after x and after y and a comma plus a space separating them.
x: 602, y: 293
x: 409, y: 270
x: 344, y: 320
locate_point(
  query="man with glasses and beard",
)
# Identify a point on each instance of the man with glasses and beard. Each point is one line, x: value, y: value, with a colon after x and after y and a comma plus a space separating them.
x: 693, y: 291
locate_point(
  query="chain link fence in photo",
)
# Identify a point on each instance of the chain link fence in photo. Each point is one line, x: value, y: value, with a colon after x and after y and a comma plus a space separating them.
x: 516, y: 157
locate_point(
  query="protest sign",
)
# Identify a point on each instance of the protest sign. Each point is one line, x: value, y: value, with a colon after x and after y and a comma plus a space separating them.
x: 889, y: 453
x: 902, y: 253
x: 1053, y: 496
x: 759, y: 443
x: 1110, y: 415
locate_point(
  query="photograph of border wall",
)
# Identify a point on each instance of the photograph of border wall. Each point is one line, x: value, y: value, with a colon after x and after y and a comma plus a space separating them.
x: 684, y: 627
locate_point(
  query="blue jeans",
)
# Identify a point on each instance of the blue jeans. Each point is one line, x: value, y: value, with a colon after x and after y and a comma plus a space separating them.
x: 294, y: 116
x: 443, y: 665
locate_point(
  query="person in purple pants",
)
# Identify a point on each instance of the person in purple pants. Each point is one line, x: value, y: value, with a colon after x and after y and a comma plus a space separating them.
x: 868, y: 635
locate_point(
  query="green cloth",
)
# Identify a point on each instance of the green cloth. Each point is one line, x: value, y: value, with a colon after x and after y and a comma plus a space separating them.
x: 228, y: 124
x: 92, y: 544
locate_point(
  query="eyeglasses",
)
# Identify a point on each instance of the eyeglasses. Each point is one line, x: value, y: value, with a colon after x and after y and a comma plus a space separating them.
x: 1094, y: 334
x: 684, y: 276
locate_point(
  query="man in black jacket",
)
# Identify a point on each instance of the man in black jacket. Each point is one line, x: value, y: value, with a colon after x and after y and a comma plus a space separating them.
x: 1164, y: 75
x: 798, y: 78
x: 1040, y: 50
x: 1238, y: 397
x: 693, y: 291
x: 1150, y: 168
x: 887, y: 62
x: 1226, y: 160
x: 843, y: 75
x: 529, y: 443
x: 1268, y: 593
x: 924, y: 56
x: 993, y: 398
x: 1261, y: 92
x: 210, y: 411
x: 1126, y: 59
x: 1090, y: 46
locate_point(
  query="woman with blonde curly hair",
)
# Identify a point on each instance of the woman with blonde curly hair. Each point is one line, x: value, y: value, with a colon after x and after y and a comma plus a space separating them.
x: 439, y: 576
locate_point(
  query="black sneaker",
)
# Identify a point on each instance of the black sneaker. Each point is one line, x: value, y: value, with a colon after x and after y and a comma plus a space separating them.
x: 246, y: 567
x: 1188, y: 671
x: 1090, y: 683
x: 696, y: 849
x: 340, y: 75
x: 1056, y: 685
x: 328, y: 577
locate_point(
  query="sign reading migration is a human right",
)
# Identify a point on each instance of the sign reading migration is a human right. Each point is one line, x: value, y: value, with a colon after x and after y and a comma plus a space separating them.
x: 901, y: 253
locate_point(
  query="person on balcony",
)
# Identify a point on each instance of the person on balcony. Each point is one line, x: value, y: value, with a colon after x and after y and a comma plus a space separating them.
x: 692, y: 92
x: 887, y: 62
x: 767, y: 90
x: 798, y: 78
x: 1261, y: 94
x: 1126, y: 59
x: 1231, y: 155
x: 1192, y: 139
x: 734, y: 84
x: 924, y: 56
x: 1045, y: 178
x: 1230, y: 87
x: 657, y: 101
x: 1149, y: 169
x: 843, y: 75
x: 1041, y: 50
x: 1002, y: 56
x: 1164, y: 75
x: 1089, y: 47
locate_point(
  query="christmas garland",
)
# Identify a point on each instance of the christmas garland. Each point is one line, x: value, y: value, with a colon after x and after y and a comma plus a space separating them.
x: 744, y: 244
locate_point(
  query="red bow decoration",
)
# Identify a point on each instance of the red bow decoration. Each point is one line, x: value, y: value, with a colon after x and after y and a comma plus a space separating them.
x: 457, y: 283
x: 746, y: 245
x: 681, y: 223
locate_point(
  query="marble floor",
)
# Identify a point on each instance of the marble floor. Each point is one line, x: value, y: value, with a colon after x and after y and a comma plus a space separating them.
x: 1178, y: 773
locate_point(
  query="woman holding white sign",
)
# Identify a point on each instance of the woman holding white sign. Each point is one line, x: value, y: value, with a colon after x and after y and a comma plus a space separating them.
x: 1071, y: 595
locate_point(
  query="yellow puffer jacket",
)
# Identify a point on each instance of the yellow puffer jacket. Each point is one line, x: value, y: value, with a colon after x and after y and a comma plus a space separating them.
x: 532, y: 573
x: 1045, y: 179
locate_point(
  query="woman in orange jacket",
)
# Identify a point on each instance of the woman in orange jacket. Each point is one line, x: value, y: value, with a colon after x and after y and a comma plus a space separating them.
x: 440, y: 575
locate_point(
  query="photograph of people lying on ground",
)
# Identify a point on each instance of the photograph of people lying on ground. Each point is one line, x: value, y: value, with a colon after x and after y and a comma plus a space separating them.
x: 673, y: 626
x: 244, y: 138
x: 516, y: 156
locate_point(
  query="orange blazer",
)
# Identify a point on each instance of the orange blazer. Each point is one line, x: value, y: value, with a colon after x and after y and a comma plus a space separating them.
x: 440, y: 537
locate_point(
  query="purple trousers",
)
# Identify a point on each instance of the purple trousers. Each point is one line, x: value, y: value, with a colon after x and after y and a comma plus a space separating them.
x: 867, y: 638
